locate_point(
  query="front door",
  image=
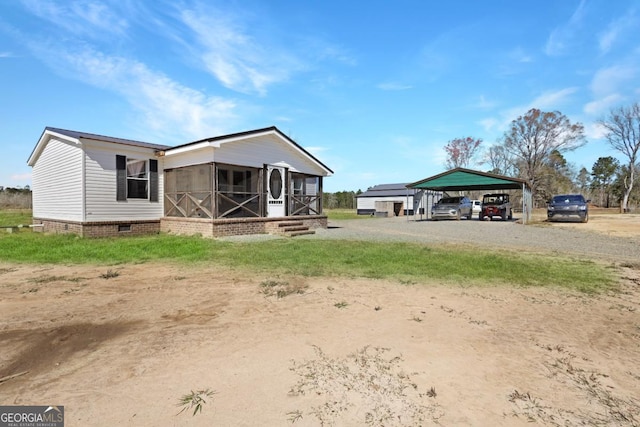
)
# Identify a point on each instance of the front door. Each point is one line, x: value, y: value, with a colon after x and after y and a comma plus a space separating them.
x: 276, y: 206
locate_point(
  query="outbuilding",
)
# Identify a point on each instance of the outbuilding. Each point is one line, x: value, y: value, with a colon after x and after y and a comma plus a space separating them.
x: 389, y: 199
x: 259, y: 181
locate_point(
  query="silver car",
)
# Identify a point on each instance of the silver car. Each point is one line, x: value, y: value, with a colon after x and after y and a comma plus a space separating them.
x: 452, y: 208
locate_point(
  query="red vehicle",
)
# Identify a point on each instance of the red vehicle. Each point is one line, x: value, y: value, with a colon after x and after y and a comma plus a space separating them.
x: 496, y: 205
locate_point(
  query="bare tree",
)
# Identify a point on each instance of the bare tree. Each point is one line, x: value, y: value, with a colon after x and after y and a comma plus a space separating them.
x: 623, y: 134
x: 501, y: 162
x: 461, y: 151
x: 533, y: 137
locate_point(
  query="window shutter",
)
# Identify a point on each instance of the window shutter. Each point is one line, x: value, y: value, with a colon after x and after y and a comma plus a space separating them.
x: 121, y: 178
x: 153, y: 180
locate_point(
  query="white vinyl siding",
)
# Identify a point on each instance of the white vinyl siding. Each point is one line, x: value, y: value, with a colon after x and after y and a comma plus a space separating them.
x: 267, y: 149
x: 370, y: 202
x: 100, y: 185
x: 57, y: 182
x: 189, y: 158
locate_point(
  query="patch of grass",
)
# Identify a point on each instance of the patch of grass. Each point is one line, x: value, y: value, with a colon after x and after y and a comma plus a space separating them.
x: 110, y: 274
x: 405, y: 262
x: 294, y: 416
x: 11, y: 217
x: 71, y: 249
x: 282, y: 289
x: 194, y: 400
x: 341, y: 304
x: 49, y: 279
x: 343, y: 214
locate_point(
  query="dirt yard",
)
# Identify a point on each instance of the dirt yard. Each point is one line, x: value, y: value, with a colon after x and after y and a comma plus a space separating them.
x: 122, y: 345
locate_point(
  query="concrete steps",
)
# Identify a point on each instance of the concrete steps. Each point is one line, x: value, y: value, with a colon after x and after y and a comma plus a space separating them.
x: 293, y: 229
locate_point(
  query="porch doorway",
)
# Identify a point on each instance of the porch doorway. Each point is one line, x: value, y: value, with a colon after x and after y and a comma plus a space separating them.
x: 276, y: 206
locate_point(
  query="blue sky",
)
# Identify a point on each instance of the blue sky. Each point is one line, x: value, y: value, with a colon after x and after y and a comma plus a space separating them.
x: 374, y: 89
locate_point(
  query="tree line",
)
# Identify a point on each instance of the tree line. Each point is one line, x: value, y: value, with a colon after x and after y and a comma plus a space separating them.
x: 533, y: 147
x: 340, y: 199
x: 15, y: 197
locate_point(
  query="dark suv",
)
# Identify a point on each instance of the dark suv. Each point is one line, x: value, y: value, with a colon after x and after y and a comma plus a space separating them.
x: 495, y: 205
x: 567, y: 206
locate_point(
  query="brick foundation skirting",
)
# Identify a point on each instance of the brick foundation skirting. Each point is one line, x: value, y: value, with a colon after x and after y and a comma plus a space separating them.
x: 98, y: 229
x: 183, y: 226
x: 235, y: 226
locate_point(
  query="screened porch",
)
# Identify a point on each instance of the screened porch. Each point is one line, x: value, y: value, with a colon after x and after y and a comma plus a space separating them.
x: 222, y: 191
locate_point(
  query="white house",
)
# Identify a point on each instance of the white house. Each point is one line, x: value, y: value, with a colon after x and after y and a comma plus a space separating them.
x: 258, y: 181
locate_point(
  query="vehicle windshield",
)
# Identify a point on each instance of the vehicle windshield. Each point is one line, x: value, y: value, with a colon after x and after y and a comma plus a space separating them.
x: 495, y: 198
x: 449, y: 200
x: 568, y: 199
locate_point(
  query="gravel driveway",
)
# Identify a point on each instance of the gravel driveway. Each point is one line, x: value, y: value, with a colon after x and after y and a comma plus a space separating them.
x: 486, y: 235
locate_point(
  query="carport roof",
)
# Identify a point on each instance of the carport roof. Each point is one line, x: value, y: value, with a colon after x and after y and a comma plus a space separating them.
x: 466, y: 179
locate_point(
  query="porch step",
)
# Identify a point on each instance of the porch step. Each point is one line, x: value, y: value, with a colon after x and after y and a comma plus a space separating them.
x: 290, y: 224
x: 294, y: 228
x: 300, y: 233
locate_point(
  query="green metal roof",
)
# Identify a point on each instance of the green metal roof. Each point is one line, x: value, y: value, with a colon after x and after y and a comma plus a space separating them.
x: 466, y: 179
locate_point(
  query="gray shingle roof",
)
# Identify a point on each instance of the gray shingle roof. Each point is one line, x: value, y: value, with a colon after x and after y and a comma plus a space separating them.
x: 77, y: 135
x: 387, y: 190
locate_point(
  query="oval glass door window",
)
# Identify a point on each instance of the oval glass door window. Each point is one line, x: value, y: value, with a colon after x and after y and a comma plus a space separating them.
x: 275, y: 184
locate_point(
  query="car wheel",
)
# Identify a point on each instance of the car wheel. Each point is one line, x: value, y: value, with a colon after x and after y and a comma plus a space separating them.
x: 470, y: 216
x: 480, y: 217
x: 503, y: 215
x: 510, y: 214
x: 585, y: 218
x: 458, y: 215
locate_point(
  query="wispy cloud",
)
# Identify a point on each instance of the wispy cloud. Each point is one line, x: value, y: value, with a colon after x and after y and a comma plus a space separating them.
x: 94, y: 19
x: 520, y: 55
x: 239, y: 60
x: 393, y: 86
x: 6, y: 55
x: 627, y: 24
x: 562, y: 37
x: 607, y: 80
x: 482, y: 103
x: 601, y: 105
x: 167, y: 107
x: 549, y: 100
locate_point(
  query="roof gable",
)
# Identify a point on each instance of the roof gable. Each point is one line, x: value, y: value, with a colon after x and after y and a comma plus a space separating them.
x: 217, y: 141
x: 466, y: 179
x: 76, y: 137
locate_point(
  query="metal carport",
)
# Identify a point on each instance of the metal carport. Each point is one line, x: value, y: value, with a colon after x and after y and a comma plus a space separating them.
x: 460, y: 179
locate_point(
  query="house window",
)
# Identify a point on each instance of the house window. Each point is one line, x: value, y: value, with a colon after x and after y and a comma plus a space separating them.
x: 136, y: 179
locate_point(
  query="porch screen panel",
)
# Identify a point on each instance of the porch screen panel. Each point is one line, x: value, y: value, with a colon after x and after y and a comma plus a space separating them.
x: 188, y: 192
x: 305, y: 195
x: 237, y: 192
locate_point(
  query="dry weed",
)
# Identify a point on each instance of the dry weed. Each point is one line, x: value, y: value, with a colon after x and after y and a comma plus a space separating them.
x: 282, y: 289
x: 366, y: 387
x: 605, y: 408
